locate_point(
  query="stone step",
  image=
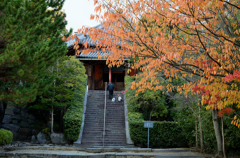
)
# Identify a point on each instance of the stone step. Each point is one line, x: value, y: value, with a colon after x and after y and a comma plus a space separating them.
x: 113, y: 127
x: 90, y: 138
x: 93, y: 126
x: 115, y: 133
x: 92, y: 130
x: 92, y: 141
x: 120, y: 134
x: 107, y: 131
x: 87, y: 138
x: 117, y: 119
x: 114, y: 130
x: 108, y: 121
x: 116, y: 124
x: 94, y: 123
x: 114, y: 138
x: 90, y: 124
x: 114, y: 119
x: 96, y: 132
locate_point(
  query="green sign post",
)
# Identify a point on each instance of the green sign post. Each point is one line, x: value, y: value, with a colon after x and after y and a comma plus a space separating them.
x: 148, y: 124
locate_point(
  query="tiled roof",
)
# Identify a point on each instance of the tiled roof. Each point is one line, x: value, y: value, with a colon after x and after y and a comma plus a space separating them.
x: 83, y: 38
x: 94, y: 54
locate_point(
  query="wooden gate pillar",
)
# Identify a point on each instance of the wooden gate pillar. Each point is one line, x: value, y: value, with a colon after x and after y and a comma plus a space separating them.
x: 110, y: 74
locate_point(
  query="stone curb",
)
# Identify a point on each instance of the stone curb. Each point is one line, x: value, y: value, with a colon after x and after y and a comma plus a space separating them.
x: 43, y: 148
x: 128, y: 137
x: 79, y: 141
x: 103, y: 155
x: 100, y: 155
x: 172, y: 150
x: 98, y: 150
x: 74, y: 152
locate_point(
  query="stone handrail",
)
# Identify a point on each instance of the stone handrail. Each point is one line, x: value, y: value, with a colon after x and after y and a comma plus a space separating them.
x: 105, y: 105
x: 128, y: 137
x: 79, y: 141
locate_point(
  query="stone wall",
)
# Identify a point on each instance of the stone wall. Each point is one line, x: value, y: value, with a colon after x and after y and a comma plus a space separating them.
x: 2, y: 109
x: 20, y: 122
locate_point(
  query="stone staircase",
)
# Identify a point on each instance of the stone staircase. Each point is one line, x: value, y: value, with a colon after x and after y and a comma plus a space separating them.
x: 94, y: 116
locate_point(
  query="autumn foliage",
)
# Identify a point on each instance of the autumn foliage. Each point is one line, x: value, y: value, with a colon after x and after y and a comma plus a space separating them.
x: 175, y: 38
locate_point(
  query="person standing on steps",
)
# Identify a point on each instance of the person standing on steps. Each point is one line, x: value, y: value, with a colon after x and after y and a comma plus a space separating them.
x: 110, y: 88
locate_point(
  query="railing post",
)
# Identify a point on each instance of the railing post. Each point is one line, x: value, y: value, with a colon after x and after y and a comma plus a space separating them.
x: 104, y: 113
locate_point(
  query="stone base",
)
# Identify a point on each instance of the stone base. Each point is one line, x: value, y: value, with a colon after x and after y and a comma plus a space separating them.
x: 58, y: 138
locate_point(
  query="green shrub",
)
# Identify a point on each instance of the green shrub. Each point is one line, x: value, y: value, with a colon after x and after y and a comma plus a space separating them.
x: 6, y: 137
x: 46, y: 130
x: 72, y: 122
x: 72, y: 119
x: 186, y: 120
x: 162, y: 135
x: 149, y: 103
x: 135, y: 116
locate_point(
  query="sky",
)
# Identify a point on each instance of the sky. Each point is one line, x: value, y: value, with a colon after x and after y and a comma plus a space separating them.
x: 78, y: 13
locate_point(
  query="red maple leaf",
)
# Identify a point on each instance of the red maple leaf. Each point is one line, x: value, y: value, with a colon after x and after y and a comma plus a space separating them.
x: 225, y: 111
x: 196, y: 89
x: 205, y: 93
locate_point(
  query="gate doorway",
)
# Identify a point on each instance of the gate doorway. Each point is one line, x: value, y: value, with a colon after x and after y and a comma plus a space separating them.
x: 117, y: 77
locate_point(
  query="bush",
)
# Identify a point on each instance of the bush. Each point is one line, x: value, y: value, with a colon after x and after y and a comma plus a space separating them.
x: 6, y: 137
x: 72, y: 122
x: 151, y: 104
x: 72, y: 119
x: 186, y: 119
x: 163, y: 134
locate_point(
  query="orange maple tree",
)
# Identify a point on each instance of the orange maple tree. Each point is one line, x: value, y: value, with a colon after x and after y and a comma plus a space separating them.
x: 175, y: 38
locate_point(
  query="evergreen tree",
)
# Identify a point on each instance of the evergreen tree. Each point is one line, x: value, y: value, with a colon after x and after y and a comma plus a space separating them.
x: 69, y: 75
x: 30, y: 42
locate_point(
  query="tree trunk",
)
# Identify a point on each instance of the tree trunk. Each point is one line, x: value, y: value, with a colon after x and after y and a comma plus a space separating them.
x: 217, y: 133
x: 52, y: 120
x: 201, y: 134
x: 196, y: 135
x: 61, y: 120
x: 223, y: 141
x: 200, y: 130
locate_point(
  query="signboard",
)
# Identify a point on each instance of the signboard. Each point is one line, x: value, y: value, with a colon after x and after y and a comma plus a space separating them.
x: 148, y: 124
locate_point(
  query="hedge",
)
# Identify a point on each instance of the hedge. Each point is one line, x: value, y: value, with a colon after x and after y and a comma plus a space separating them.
x: 162, y: 135
x: 72, y: 123
x: 72, y: 119
x: 6, y: 137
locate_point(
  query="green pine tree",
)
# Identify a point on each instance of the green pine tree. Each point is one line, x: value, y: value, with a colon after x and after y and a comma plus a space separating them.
x: 30, y: 42
x: 69, y: 77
